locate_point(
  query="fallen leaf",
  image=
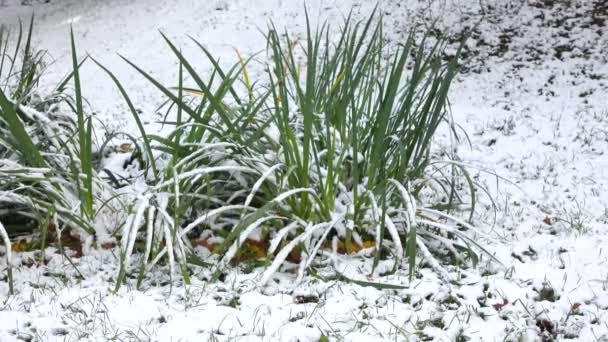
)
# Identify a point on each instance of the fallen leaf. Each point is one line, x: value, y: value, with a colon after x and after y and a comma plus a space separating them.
x: 21, y: 246
x: 125, y: 148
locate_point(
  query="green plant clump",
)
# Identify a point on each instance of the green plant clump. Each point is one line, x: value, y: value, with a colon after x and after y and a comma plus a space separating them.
x: 331, y: 145
x: 46, y: 157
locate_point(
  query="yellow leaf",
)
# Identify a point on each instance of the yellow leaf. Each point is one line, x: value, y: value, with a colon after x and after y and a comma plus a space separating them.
x: 337, y: 83
x: 21, y: 246
x: 245, y: 74
x: 190, y: 91
x: 124, y: 148
x: 251, y: 250
x: 354, y: 248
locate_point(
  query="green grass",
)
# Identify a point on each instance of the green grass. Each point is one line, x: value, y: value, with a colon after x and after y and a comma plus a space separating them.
x: 46, y: 155
x: 84, y: 129
x: 364, y: 123
x: 351, y: 156
x: 332, y: 143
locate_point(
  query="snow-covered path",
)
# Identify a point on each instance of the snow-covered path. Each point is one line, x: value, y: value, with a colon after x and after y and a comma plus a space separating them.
x: 533, y: 104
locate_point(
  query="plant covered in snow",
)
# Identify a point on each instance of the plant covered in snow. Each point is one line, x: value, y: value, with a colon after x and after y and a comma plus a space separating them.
x: 331, y: 149
x: 47, y: 172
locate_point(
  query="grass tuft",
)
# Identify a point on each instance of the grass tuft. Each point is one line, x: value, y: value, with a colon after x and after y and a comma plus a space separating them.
x: 46, y: 156
x: 331, y: 145
x: 333, y: 142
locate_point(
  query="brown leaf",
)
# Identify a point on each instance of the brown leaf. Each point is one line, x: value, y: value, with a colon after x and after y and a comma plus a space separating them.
x: 499, y: 306
x: 305, y: 299
x: 108, y: 245
x: 125, y: 148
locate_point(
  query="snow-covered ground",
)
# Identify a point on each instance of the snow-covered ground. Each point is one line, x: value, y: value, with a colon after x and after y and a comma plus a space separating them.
x: 532, y: 100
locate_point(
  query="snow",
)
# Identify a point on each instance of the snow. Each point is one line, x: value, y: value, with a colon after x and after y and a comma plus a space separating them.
x: 532, y: 102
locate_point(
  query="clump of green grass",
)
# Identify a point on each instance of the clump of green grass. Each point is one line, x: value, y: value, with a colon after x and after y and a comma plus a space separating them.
x: 21, y: 77
x: 546, y: 292
x: 334, y: 148
x: 358, y: 130
x: 46, y: 156
x: 331, y: 145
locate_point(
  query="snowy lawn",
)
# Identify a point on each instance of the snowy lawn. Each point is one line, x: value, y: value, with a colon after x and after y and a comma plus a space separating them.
x: 532, y: 101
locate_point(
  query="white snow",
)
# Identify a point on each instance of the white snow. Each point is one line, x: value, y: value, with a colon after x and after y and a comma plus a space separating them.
x: 536, y: 117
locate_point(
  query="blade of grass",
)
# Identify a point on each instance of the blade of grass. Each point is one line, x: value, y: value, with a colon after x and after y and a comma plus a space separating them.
x: 135, y: 115
x: 17, y: 46
x: 62, y: 85
x: 44, y: 233
x: 84, y: 137
x: 21, y: 139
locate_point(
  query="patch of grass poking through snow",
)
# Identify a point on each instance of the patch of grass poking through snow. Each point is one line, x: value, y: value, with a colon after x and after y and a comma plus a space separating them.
x: 332, y: 145
x: 546, y: 292
x: 47, y: 160
x: 329, y: 151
